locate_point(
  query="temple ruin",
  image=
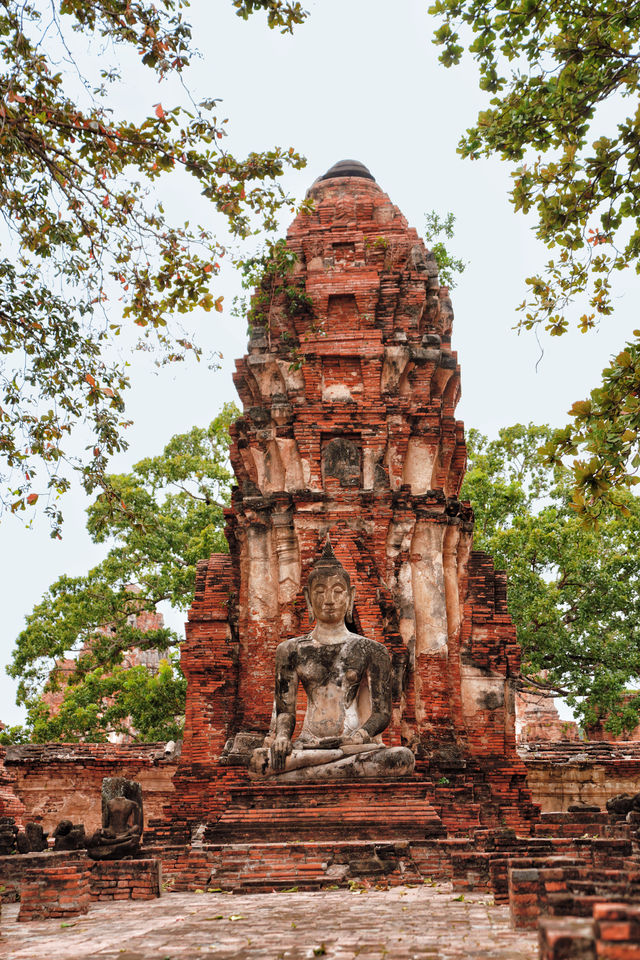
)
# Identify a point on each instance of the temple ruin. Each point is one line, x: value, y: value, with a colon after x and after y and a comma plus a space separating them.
x: 348, y: 430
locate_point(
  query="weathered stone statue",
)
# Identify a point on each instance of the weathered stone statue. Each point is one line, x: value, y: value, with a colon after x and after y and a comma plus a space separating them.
x: 69, y: 836
x: 122, y: 821
x: 33, y: 839
x: 8, y: 835
x: 347, y: 680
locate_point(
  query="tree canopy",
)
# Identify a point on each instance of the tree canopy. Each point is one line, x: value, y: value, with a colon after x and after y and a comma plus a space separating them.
x: 563, y: 110
x: 573, y: 590
x: 89, y: 251
x: 173, y: 519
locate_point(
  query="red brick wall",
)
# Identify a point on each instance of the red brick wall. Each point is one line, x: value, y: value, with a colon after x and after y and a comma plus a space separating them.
x: 53, y: 782
x: 564, y: 773
x: 54, y: 889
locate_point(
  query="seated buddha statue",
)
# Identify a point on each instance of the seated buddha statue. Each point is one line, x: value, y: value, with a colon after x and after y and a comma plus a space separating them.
x: 347, y: 680
x: 122, y: 821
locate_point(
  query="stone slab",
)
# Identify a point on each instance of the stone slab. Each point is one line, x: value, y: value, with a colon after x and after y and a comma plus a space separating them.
x: 402, y: 923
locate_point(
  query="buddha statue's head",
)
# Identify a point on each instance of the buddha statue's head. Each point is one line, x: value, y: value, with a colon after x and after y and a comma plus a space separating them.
x: 328, y: 592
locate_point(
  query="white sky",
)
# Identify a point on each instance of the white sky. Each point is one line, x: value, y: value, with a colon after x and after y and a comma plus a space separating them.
x: 360, y: 79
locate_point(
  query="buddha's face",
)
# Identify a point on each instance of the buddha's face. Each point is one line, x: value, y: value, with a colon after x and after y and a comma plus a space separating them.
x: 330, y: 598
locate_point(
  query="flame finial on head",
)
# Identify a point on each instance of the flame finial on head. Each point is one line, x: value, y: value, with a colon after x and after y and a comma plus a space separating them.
x: 327, y: 563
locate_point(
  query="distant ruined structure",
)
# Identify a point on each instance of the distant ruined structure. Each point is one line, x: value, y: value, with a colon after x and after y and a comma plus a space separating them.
x: 349, y: 393
x: 538, y: 720
x: 143, y: 620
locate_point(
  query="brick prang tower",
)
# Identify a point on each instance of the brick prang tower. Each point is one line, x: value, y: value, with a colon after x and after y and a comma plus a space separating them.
x: 348, y: 429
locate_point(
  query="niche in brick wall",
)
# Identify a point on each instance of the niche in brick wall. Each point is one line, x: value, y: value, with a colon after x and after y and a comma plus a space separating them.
x: 344, y: 253
x: 342, y: 312
x: 342, y: 462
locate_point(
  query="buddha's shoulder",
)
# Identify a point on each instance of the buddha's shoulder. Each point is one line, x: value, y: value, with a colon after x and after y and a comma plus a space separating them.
x: 292, y: 644
x: 358, y: 638
x: 373, y: 647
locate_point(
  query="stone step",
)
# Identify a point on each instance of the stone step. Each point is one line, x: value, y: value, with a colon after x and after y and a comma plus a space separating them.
x: 366, y: 810
x: 323, y: 823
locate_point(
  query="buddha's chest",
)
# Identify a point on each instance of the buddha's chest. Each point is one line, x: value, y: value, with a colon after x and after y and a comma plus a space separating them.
x: 339, y: 664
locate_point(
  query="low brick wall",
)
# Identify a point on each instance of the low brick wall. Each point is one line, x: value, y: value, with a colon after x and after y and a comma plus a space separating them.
x: 125, y: 880
x: 532, y: 882
x: 569, y: 888
x: 568, y: 939
x: 59, y: 890
x: 617, y: 931
x: 14, y: 869
x: 612, y: 933
x: 258, y: 867
x: 562, y: 774
x: 62, y: 781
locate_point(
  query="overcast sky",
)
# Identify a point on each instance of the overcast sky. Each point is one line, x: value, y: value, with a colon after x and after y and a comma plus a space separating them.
x: 360, y: 79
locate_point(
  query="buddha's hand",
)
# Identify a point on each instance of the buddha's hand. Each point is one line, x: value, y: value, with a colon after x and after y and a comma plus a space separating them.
x: 280, y: 750
x: 357, y: 737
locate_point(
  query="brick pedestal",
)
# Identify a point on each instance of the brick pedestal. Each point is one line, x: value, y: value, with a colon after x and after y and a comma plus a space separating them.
x: 54, y: 891
x: 369, y: 810
x: 125, y: 880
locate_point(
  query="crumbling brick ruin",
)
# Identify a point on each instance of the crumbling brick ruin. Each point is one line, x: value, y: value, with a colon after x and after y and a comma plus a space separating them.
x: 348, y: 428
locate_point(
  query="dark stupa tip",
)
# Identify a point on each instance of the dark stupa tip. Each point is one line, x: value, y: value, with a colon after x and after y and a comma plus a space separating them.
x: 348, y: 168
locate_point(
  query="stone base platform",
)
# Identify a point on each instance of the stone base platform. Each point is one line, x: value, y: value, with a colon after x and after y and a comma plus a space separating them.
x: 264, y: 867
x: 364, y: 810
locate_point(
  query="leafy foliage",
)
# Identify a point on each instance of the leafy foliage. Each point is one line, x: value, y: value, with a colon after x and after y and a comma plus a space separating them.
x: 116, y: 701
x: 448, y: 265
x: 563, y: 79
x: 279, y: 13
x: 574, y: 591
x: 268, y: 276
x: 169, y: 515
x: 85, y: 230
x: 605, y: 430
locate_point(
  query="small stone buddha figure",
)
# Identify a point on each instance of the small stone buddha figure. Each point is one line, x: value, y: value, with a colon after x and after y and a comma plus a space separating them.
x: 69, y: 836
x: 122, y: 821
x: 347, y: 680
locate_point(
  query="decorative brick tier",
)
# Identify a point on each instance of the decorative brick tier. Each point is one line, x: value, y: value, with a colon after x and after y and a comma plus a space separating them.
x: 54, y: 890
x: 320, y: 811
x: 126, y: 880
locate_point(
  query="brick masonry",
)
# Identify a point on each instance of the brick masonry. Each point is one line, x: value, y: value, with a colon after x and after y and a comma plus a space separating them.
x: 53, y: 888
x: 564, y: 773
x: 125, y: 880
x: 50, y: 782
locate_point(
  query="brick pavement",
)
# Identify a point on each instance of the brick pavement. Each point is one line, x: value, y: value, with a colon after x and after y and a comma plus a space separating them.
x: 398, y: 924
